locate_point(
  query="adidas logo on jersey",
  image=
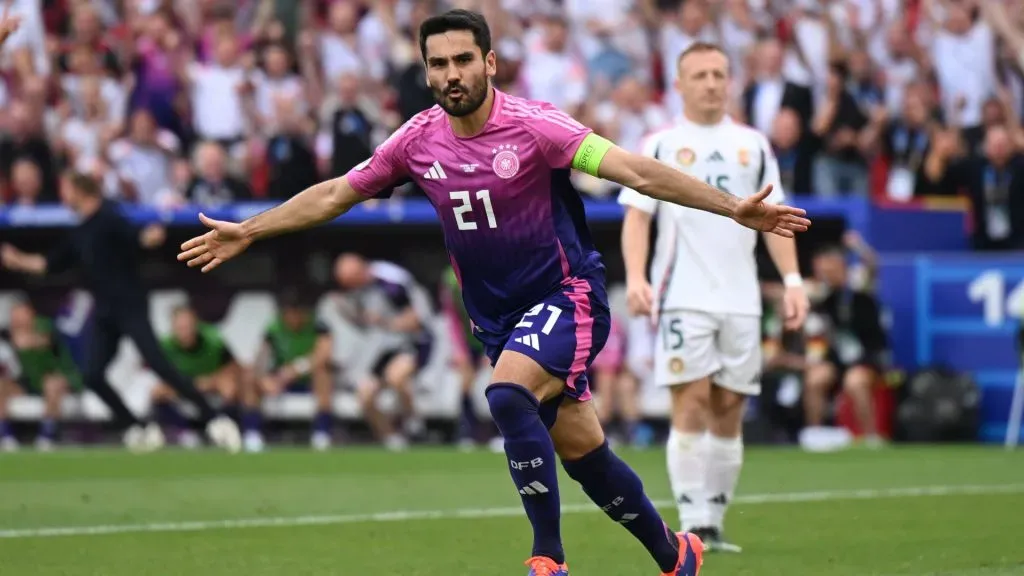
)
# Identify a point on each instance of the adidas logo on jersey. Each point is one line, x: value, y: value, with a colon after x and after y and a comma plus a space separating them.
x: 716, y: 156
x: 529, y: 340
x: 435, y: 172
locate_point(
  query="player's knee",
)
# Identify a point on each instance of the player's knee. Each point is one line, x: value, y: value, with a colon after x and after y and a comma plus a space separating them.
x: 400, y: 370
x: 858, y: 380
x: 508, y: 404
x: 820, y: 378
x: 55, y: 386
x: 162, y: 393
x: 367, y: 391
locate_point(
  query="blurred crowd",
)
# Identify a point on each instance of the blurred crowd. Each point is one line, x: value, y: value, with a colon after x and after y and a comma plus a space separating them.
x: 213, y: 101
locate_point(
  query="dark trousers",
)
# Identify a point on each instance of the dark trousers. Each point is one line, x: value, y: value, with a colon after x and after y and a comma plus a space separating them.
x: 102, y: 346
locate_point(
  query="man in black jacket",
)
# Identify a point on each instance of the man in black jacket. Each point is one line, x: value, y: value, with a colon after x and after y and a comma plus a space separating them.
x: 105, y: 246
x: 852, y: 346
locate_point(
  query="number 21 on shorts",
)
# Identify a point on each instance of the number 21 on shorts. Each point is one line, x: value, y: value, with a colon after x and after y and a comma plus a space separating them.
x: 553, y: 313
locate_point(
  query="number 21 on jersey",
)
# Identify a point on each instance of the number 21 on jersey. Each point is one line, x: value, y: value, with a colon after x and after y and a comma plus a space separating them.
x: 463, y: 210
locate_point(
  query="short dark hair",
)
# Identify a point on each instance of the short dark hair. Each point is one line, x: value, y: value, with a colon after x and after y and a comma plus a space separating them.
x: 829, y: 250
x: 456, y: 20
x: 698, y: 48
x: 84, y: 183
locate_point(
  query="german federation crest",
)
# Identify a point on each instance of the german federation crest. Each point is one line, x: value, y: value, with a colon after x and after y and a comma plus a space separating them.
x: 506, y: 161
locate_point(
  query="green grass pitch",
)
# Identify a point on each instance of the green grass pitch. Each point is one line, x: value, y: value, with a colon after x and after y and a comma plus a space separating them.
x: 956, y: 511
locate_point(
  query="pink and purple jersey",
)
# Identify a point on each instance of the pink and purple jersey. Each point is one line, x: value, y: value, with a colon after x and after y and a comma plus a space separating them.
x: 514, y: 226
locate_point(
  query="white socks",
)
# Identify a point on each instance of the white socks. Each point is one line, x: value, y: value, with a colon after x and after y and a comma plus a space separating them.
x: 704, y: 471
x: 724, y: 461
x: 687, y: 457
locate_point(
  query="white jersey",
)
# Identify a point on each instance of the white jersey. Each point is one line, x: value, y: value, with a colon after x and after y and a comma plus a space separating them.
x: 702, y: 261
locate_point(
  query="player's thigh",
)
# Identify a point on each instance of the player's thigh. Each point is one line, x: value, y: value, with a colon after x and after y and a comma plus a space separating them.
x: 551, y: 348
x: 225, y: 381
x: 738, y: 346
x: 400, y: 369
x: 55, y: 385
x: 10, y: 388
x: 577, y: 430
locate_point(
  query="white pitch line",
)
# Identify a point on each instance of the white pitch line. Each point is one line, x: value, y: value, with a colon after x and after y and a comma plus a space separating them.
x: 411, y: 515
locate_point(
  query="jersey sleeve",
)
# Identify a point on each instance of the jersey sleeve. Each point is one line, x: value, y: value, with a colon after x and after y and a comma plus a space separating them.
x: 634, y: 199
x: 564, y: 140
x: 769, y: 172
x: 384, y: 168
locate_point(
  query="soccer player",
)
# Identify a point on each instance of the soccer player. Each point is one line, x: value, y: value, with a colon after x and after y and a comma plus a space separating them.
x: 497, y: 169
x: 106, y: 248
x: 708, y: 303
x: 41, y: 365
x: 295, y: 356
x: 381, y: 294
x: 199, y: 352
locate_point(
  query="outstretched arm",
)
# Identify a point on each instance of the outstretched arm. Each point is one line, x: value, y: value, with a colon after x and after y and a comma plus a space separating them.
x: 315, y: 205
x: 601, y: 158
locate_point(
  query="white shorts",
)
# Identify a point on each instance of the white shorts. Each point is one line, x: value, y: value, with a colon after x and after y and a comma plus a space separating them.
x: 692, y: 345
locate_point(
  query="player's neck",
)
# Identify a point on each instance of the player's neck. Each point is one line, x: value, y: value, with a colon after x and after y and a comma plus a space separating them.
x: 704, y: 118
x: 472, y: 124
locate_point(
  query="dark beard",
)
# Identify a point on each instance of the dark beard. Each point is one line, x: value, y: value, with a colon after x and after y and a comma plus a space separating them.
x: 472, y: 99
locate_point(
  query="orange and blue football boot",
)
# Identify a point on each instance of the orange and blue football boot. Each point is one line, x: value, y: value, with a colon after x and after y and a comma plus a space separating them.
x: 543, y: 566
x: 691, y: 555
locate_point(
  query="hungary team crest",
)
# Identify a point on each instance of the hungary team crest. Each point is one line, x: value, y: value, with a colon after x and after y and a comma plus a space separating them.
x: 506, y: 161
x: 686, y: 156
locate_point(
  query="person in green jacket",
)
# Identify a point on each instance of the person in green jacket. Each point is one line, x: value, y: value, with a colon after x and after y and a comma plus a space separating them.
x: 199, y: 352
x: 37, y: 363
x: 295, y: 357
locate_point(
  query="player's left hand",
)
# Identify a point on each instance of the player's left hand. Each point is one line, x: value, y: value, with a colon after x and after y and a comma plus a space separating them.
x: 795, y: 306
x: 778, y: 219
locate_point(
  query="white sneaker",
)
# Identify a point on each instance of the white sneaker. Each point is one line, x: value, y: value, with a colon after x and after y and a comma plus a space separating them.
x: 396, y: 443
x: 415, y: 426
x: 44, y: 444
x: 9, y: 444
x: 140, y: 439
x: 253, y: 442
x: 225, y: 434
x: 320, y: 441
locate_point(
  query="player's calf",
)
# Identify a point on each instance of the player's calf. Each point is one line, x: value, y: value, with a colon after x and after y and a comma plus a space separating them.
x: 8, y: 390
x: 686, y: 452
x: 531, y: 454
x: 323, y: 392
x: 380, y: 424
x: 55, y: 389
x: 610, y: 482
x: 859, y: 384
x: 399, y: 375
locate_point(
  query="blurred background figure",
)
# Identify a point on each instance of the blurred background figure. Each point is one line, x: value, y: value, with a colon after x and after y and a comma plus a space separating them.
x: 295, y: 356
x: 382, y: 297
x: 35, y: 362
x: 198, y: 351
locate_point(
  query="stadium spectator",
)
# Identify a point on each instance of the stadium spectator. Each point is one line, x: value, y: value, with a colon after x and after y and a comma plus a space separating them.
x: 86, y: 126
x: 216, y: 94
x: 794, y: 152
x: 349, y: 132
x: 143, y: 163
x: 850, y: 347
x: 197, y: 351
x: 212, y: 185
x: 25, y: 138
x: 289, y: 151
x: 904, y: 141
x: 769, y: 94
x: 295, y: 356
x: 41, y: 365
x: 995, y: 186
x: 551, y: 71
x: 839, y: 168
x: 382, y: 297
x: 26, y: 183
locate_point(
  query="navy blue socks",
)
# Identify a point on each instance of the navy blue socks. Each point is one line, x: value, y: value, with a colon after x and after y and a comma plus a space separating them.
x: 532, y: 464
x: 618, y: 491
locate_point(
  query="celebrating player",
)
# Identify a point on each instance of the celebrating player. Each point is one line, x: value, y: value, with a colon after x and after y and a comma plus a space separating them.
x: 497, y: 168
x: 708, y: 304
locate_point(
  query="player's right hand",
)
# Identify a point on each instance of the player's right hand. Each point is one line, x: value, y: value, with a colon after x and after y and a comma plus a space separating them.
x: 639, y: 297
x: 224, y: 241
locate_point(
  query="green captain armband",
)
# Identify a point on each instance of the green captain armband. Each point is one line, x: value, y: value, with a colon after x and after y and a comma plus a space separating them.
x: 590, y: 153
